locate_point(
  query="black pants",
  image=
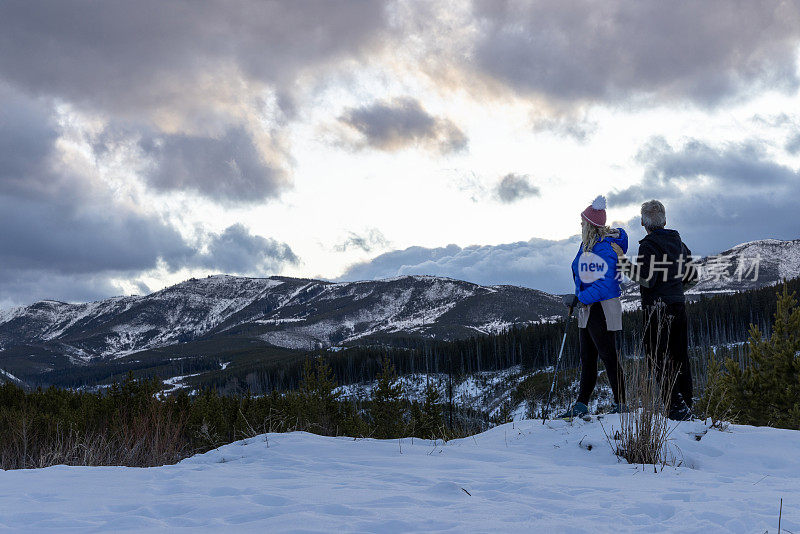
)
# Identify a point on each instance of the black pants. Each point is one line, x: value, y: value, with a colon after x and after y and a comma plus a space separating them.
x: 667, y: 342
x: 596, y: 340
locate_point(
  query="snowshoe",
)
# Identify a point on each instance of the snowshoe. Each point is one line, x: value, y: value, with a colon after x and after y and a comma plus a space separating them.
x: 578, y: 409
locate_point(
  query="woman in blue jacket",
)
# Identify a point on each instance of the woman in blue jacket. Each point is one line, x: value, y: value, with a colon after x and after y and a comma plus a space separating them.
x: 597, y: 292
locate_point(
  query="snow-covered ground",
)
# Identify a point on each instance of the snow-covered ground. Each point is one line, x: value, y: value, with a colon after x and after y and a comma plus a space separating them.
x: 519, y: 477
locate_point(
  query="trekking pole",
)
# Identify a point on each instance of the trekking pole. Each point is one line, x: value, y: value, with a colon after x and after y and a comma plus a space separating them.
x: 546, y: 410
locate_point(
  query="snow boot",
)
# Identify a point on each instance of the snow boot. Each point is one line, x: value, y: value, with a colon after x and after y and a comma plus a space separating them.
x: 619, y: 408
x: 680, y: 411
x: 578, y: 409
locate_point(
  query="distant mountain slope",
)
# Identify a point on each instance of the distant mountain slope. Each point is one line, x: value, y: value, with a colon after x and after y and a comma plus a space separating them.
x: 281, y: 311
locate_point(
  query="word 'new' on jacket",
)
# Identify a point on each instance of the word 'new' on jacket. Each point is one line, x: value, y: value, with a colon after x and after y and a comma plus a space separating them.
x: 595, y: 271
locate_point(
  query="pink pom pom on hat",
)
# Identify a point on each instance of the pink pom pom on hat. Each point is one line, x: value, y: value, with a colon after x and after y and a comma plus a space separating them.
x: 596, y: 212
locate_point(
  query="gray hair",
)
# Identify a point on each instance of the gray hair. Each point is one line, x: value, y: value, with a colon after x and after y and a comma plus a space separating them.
x: 653, y: 215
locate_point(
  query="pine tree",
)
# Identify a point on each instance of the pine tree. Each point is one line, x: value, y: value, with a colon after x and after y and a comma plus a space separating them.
x: 430, y: 421
x: 767, y: 390
x: 387, y: 410
x: 505, y: 414
x: 319, y: 400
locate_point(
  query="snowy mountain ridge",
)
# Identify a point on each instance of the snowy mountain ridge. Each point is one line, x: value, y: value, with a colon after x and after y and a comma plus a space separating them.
x: 281, y: 311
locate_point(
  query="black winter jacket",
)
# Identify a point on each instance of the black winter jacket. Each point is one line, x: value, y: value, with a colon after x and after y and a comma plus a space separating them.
x: 663, y: 260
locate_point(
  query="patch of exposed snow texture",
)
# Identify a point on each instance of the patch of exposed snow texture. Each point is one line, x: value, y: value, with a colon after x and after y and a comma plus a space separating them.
x: 553, y: 318
x: 486, y: 391
x: 9, y: 313
x: 9, y: 376
x: 496, y: 326
x: 175, y: 383
x: 519, y: 477
x: 291, y: 340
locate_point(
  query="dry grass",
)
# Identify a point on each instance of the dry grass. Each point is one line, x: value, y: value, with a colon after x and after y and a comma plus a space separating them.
x: 152, y: 438
x: 644, y: 432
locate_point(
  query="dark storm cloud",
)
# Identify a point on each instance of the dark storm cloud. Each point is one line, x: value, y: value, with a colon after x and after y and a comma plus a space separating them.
x: 28, y: 132
x: 44, y: 244
x: 236, y: 250
x: 49, y: 249
x: 20, y: 287
x: 403, y: 122
x: 46, y: 234
x: 734, y: 163
x: 64, y: 237
x: 717, y: 196
x: 574, y: 50
x: 125, y: 57
x: 368, y: 241
x: 538, y: 263
x: 732, y: 169
x: 228, y: 168
x: 198, y: 67
x: 513, y: 187
x: 51, y: 218
x: 710, y: 223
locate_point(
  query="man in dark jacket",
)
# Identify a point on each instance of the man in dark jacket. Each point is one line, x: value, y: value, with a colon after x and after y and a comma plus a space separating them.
x: 665, y: 270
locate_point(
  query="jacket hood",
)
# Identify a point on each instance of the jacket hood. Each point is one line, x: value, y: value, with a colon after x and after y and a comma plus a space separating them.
x: 667, y: 240
x: 619, y: 237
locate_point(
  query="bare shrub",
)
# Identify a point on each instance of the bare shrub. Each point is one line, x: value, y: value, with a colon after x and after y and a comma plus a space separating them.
x: 151, y: 436
x: 644, y: 432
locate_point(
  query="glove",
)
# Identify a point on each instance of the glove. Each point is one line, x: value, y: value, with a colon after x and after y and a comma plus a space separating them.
x: 570, y: 301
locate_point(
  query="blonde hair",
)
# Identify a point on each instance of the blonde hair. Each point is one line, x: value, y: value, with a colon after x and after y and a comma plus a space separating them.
x: 591, y: 234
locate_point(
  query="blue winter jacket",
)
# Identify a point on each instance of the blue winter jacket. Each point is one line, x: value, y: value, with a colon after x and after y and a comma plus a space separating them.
x: 595, y: 272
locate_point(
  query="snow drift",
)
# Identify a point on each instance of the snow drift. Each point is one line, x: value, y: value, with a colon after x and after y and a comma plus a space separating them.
x: 519, y: 477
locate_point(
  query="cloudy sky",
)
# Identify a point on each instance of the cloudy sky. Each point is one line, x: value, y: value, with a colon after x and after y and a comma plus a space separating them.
x: 142, y: 143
